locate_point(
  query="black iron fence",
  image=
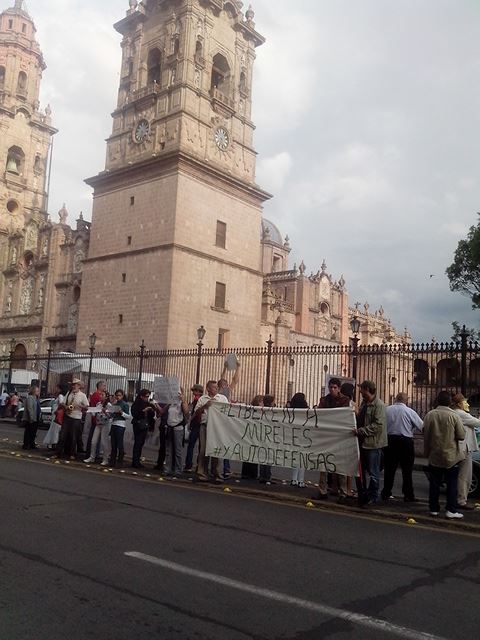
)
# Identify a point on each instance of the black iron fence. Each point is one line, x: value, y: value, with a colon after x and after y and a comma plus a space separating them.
x: 421, y: 370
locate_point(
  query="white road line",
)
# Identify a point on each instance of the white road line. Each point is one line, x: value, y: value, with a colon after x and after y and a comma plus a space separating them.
x: 355, y: 618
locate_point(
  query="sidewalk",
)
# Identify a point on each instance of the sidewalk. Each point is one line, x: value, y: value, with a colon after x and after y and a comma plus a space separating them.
x: 412, y: 514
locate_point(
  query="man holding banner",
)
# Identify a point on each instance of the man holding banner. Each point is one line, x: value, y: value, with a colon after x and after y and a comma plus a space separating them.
x: 202, y: 411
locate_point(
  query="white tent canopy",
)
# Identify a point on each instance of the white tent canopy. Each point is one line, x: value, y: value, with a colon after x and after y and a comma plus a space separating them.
x: 66, y: 362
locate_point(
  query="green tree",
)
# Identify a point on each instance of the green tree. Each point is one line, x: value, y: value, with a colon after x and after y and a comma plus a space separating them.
x: 464, y: 272
x: 474, y: 334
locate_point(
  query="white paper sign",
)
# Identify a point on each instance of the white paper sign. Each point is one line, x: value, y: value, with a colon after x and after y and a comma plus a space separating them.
x: 166, y: 390
x: 231, y: 362
x: 311, y: 439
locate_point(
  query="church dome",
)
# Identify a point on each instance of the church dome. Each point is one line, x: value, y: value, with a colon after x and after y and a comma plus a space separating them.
x: 271, y: 233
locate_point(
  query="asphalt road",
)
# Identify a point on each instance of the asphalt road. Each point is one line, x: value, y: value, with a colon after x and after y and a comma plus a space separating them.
x: 96, y: 555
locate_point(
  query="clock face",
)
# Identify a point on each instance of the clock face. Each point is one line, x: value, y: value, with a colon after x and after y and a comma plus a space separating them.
x: 141, y: 131
x: 222, y: 139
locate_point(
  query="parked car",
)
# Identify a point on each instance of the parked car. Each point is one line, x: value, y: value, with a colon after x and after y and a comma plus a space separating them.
x: 45, y: 412
x: 475, y: 486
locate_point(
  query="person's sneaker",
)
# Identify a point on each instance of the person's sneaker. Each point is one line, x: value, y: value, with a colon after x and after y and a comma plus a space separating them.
x: 454, y: 516
x: 390, y: 497
x: 435, y: 513
x: 187, y: 470
x: 89, y: 459
x: 104, y: 463
x: 301, y: 485
x: 294, y: 483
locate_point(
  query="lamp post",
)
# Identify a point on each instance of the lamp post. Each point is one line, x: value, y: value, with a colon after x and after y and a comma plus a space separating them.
x: 93, y: 340
x: 49, y: 357
x: 140, y: 366
x: 13, y: 344
x: 200, y: 334
x: 355, y: 327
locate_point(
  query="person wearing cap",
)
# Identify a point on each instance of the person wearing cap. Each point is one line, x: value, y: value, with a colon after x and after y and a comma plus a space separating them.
x: 194, y: 427
x: 461, y: 408
x: 75, y: 403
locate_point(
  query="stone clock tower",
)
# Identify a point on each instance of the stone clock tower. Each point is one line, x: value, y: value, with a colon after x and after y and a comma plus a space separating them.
x: 176, y: 223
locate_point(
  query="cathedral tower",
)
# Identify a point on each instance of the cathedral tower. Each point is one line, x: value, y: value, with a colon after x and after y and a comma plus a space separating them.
x: 176, y: 222
x: 25, y: 131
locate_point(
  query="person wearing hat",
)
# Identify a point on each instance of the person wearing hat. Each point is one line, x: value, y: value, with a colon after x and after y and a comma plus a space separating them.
x: 75, y: 403
x: 193, y: 427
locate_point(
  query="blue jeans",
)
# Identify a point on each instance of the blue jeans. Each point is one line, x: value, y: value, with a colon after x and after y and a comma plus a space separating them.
x: 116, y: 434
x: 370, y: 459
x: 436, y: 476
x: 192, y: 441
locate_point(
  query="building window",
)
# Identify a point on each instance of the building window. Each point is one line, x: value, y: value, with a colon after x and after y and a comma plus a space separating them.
x: 223, y: 339
x: 154, y: 66
x: 22, y: 83
x: 124, y: 277
x: 2, y: 77
x: 24, y: 28
x: 129, y: 240
x: 220, y: 75
x: 132, y: 200
x: 10, y: 24
x: 220, y: 295
x: 221, y: 237
x: 15, y: 160
x: 120, y: 318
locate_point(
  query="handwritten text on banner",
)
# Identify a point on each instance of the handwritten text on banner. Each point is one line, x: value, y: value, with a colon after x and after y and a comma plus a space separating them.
x: 312, y: 439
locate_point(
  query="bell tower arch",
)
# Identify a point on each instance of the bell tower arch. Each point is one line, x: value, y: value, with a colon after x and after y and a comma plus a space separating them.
x: 179, y: 175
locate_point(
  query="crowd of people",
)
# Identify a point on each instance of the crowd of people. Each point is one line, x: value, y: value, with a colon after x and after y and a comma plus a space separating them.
x: 385, y: 438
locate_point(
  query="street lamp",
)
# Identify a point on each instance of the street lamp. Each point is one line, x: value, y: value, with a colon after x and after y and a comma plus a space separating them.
x: 355, y: 327
x: 47, y: 377
x: 93, y: 340
x: 13, y: 344
x: 201, y: 331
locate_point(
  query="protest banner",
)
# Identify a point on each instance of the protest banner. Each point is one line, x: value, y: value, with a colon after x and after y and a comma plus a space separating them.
x: 166, y: 390
x: 311, y: 439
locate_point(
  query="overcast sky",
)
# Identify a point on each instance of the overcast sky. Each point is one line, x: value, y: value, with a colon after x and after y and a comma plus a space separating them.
x: 368, y: 120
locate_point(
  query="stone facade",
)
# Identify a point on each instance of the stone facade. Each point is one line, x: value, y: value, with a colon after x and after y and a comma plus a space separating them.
x: 179, y: 184
x: 41, y: 262
x: 305, y: 310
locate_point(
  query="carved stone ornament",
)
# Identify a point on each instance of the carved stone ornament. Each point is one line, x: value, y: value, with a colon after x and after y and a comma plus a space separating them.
x: 31, y: 238
x: 26, y: 297
x: 72, y: 318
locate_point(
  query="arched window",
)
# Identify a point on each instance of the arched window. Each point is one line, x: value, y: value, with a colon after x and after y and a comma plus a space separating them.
x: 2, y: 77
x: 22, y: 83
x: 154, y: 65
x: 19, y: 357
x: 474, y: 372
x: 15, y: 160
x: 221, y: 75
x: 448, y: 372
x: 421, y: 371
